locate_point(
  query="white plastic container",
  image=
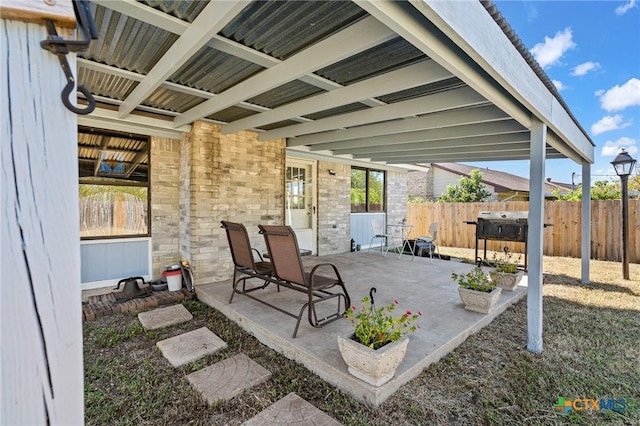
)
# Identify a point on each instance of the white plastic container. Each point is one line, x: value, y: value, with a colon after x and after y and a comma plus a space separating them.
x: 174, y: 279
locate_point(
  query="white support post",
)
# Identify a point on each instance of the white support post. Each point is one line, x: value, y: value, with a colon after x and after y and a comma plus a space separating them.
x: 535, y: 235
x: 585, y: 234
x: 41, y: 350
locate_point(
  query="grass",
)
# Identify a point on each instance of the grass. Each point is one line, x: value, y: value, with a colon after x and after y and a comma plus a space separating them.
x: 591, y: 350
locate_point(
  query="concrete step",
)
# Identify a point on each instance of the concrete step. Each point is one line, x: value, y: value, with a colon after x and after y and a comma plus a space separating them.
x: 292, y: 411
x: 191, y: 346
x: 164, y: 317
x: 228, y: 378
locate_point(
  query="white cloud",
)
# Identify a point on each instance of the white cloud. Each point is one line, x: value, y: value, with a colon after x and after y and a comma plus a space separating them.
x: 612, y: 148
x: 558, y: 84
x: 550, y: 52
x: 608, y: 123
x: 620, y: 97
x: 621, y: 10
x: 583, y: 69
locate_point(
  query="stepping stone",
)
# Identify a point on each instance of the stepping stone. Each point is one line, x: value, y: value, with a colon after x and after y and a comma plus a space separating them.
x: 292, y: 410
x: 164, y: 317
x: 191, y: 346
x: 228, y: 378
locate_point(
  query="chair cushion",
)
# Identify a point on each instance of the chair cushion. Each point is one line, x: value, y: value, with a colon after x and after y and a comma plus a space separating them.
x: 264, y: 267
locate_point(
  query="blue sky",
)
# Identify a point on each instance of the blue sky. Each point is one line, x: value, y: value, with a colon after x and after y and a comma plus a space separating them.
x: 591, y: 50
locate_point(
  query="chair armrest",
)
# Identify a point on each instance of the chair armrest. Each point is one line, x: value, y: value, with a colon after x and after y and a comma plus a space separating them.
x: 258, y: 253
x: 322, y: 265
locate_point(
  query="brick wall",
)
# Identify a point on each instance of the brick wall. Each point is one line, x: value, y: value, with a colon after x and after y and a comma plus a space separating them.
x: 164, y: 179
x: 334, y: 208
x: 231, y: 177
x: 396, y: 196
x: 420, y: 185
x: 207, y: 177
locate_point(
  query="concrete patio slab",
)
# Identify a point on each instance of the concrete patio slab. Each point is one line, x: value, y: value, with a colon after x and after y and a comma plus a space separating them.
x: 228, y: 378
x: 164, y: 317
x: 191, y: 346
x: 418, y: 285
x: 292, y: 411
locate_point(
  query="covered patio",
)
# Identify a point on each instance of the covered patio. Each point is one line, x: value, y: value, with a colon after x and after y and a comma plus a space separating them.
x: 418, y: 285
x: 225, y: 93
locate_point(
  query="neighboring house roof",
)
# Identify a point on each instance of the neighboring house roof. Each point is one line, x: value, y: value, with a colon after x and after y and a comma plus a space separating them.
x: 501, y: 181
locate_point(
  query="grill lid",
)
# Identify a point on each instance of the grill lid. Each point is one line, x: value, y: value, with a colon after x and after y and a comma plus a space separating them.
x: 504, y: 216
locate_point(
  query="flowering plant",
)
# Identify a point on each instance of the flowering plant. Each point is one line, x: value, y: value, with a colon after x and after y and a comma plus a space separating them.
x: 376, y: 327
x: 506, y: 264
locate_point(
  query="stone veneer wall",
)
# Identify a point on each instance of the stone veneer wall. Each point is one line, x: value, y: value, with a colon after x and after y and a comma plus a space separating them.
x: 334, y: 208
x: 207, y: 177
x: 231, y: 177
x: 164, y: 178
x: 396, y: 196
x: 420, y: 184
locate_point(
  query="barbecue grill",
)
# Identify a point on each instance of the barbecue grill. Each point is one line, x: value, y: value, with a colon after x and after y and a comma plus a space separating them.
x: 502, y: 226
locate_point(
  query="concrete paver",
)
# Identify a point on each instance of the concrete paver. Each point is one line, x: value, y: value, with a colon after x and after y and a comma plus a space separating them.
x: 291, y: 411
x: 228, y: 378
x: 191, y: 346
x: 164, y: 317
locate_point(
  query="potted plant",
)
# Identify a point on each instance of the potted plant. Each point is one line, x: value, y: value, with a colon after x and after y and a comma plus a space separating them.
x: 477, y: 291
x: 379, y: 342
x: 507, y: 275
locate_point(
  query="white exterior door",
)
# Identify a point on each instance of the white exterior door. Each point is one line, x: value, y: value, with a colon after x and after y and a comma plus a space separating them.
x: 300, y: 203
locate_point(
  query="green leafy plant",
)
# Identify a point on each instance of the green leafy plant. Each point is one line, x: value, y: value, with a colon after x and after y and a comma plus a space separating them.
x: 507, y: 264
x: 376, y: 327
x: 474, y: 280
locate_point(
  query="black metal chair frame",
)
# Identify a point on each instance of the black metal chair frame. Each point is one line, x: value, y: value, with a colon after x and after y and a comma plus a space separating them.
x: 289, y: 272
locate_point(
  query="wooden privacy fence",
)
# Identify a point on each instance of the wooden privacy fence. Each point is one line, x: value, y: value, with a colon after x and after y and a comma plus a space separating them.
x: 112, y: 214
x: 561, y: 239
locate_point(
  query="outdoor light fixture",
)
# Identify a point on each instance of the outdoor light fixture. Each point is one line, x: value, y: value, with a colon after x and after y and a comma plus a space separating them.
x: 623, y: 164
x: 332, y: 172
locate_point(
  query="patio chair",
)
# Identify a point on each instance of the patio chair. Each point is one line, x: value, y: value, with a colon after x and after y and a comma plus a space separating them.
x: 379, y: 233
x: 284, y: 253
x: 244, y: 261
x: 431, y: 240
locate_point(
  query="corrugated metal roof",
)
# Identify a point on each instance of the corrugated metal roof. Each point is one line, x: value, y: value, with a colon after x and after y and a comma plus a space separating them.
x: 279, y: 29
x: 214, y: 71
x: 284, y: 94
x: 187, y: 10
x: 171, y: 100
x: 231, y: 114
x: 283, y: 28
x: 386, y: 57
x: 127, y: 43
x: 103, y: 84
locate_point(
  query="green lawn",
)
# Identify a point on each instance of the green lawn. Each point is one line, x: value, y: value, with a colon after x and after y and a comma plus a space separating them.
x: 591, y: 351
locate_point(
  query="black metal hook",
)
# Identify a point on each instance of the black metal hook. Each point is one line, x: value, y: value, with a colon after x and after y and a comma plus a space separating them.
x: 61, y: 47
x: 371, y: 292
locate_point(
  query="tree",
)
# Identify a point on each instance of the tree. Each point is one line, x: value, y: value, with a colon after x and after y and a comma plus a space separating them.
x: 634, y: 183
x: 469, y: 190
x: 601, y: 190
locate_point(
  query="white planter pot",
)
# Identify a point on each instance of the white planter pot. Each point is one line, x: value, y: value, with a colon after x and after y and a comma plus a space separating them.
x: 375, y: 367
x: 506, y: 280
x: 479, y: 301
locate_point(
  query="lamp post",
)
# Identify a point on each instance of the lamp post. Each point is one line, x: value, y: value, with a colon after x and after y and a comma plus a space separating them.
x: 623, y: 164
